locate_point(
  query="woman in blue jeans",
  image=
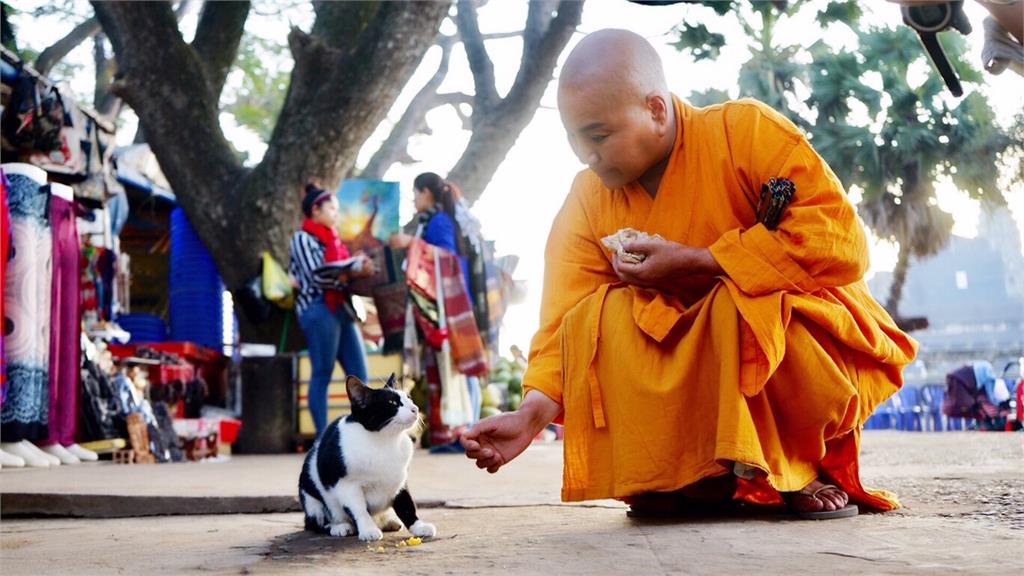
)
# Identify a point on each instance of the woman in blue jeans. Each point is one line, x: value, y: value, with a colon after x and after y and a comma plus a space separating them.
x: 324, y: 309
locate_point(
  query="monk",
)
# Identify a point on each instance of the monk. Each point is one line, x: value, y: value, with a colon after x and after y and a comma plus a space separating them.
x: 735, y: 359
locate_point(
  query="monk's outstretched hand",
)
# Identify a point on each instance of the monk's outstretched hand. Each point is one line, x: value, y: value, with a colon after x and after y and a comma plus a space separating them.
x: 666, y: 265
x: 495, y: 441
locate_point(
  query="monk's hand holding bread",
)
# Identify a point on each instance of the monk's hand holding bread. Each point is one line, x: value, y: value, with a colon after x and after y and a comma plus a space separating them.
x: 663, y: 264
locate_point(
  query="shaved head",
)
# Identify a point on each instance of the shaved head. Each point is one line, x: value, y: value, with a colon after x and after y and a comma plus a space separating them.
x: 618, y: 58
x: 616, y: 108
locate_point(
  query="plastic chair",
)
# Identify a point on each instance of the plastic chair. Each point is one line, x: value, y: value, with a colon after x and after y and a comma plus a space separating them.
x: 910, y: 410
x: 932, y: 396
x: 884, y: 415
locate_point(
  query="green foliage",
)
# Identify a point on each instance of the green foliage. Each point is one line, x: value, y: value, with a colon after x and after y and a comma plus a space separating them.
x: 264, y: 84
x: 721, y: 7
x: 891, y: 138
x: 842, y: 12
x: 708, y: 97
x: 8, y: 34
x: 701, y: 42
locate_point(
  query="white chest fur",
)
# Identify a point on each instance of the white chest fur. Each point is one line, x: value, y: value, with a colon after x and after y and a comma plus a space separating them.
x: 377, y: 462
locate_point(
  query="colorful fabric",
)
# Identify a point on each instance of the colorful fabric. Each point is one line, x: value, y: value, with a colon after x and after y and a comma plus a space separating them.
x: 64, y: 324
x: 468, y: 355
x: 5, y: 240
x: 775, y: 364
x: 25, y: 412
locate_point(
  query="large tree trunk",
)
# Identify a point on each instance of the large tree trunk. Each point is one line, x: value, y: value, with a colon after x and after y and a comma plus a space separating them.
x: 341, y: 87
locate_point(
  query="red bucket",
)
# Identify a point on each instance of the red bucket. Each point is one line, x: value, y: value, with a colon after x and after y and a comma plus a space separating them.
x: 229, y: 428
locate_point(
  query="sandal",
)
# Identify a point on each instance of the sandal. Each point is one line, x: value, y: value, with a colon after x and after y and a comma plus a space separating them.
x: 849, y: 511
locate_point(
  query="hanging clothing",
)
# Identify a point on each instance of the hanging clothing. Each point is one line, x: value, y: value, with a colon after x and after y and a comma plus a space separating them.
x: 5, y: 242
x: 64, y: 324
x: 775, y: 364
x: 25, y: 413
x: 468, y: 354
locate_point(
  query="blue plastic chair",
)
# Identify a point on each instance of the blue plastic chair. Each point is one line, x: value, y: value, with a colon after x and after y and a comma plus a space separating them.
x: 884, y: 415
x: 910, y: 409
x: 932, y: 396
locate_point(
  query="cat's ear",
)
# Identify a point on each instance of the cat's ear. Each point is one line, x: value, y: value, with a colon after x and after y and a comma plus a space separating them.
x: 391, y: 382
x: 357, y: 391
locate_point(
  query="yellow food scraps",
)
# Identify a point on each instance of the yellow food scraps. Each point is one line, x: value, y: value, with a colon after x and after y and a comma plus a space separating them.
x: 414, y: 541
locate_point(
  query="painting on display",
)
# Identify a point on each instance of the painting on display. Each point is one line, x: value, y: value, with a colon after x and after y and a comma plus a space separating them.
x: 369, y: 212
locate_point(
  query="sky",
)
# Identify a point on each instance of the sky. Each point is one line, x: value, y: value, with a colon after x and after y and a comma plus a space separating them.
x: 521, y: 201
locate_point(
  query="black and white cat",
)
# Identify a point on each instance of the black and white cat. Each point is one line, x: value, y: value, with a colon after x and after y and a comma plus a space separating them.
x: 354, y: 479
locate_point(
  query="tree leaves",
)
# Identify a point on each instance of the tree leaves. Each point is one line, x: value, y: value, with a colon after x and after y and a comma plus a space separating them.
x: 699, y: 41
x: 892, y: 139
x: 848, y: 12
x: 264, y: 83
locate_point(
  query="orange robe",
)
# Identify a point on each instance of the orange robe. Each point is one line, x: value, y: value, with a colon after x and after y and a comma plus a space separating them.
x: 775, y: 364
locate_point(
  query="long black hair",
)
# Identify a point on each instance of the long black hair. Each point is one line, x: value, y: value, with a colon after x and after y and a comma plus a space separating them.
x: 445, y: 195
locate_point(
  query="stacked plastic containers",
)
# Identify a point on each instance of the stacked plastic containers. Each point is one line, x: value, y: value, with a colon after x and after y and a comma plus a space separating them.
x: 196, y: 290
x: 143, y: 327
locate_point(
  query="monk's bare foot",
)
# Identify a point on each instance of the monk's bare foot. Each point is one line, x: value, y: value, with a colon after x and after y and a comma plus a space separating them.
x: 817, y: 497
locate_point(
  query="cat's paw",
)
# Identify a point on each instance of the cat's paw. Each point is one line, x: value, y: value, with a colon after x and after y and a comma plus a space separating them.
x: 341, y: 529
x: 422, y: 529
x: 371, y: 534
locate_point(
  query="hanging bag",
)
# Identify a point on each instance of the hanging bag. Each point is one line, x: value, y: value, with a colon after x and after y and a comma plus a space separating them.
x: 276, y: 285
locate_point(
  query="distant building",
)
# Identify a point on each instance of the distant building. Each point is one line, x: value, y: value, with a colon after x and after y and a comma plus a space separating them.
x: 973, y: 296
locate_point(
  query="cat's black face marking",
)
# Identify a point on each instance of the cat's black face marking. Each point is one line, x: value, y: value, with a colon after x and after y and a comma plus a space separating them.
x: 374, y: 409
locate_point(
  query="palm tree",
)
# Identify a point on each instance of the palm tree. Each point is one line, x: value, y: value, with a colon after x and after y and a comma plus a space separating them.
x: 906, y: 140
x: 890, y: 138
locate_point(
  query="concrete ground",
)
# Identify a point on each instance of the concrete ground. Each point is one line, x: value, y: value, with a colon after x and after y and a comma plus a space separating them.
x: 963, y: 495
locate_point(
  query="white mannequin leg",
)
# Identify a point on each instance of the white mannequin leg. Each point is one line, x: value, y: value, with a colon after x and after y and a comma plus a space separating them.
x: 54, y: 461
x: 61, y: 453
x: 30, y: 456
x: 10, y: 460
x: 83, y: 454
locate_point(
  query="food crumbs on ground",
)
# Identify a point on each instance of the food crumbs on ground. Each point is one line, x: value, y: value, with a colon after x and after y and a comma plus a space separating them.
x: 414, y: 541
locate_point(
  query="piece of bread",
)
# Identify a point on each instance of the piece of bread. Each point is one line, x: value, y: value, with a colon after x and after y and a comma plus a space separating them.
x: 615, y: 242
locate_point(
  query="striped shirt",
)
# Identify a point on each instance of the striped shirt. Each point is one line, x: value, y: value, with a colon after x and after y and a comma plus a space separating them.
x: 306, y: 254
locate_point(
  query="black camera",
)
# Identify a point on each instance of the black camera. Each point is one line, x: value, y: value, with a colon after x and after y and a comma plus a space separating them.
x: 930, y: 19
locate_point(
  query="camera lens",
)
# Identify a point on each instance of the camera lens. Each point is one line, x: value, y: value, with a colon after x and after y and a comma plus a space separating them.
x: 929, y: 17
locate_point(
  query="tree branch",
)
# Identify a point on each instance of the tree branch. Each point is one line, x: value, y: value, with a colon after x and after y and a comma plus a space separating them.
x: 479, y: 62
x: 495, y: 129
x: 336, y: 98
x: 162, y: 79
x: 411, y: 122
x: 340, y: 24
x: 537, y: 21
x: 538, y: 63
x: 106, y: 102
x: 218, y: 34
x: 61, y: 48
